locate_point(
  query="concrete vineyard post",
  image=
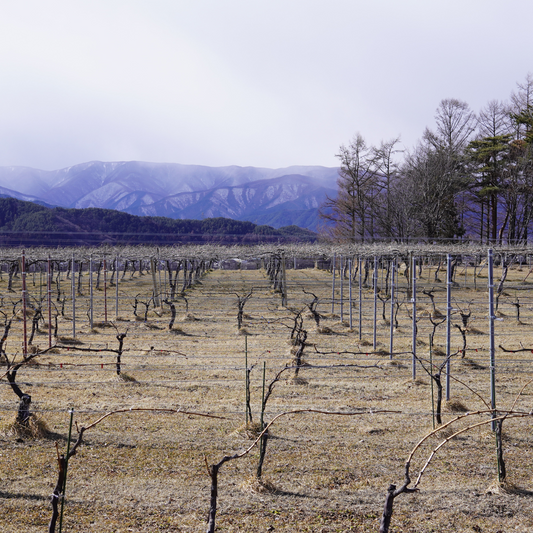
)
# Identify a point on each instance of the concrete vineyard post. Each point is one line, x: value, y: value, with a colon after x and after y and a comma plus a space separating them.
x: 350, y: 290
x: 24, y: 302
x: 413, y: 300
x: 116, y: 287
x: 374, y: 331
x: 392, y: 286
x: 491, y: 335
x: 105, y: 290
x: 333, y: 284
x: 73, y: 296
x: 49, y: 294
x: 341, y: 286
x: 448, y: 322
x: 91, y: 308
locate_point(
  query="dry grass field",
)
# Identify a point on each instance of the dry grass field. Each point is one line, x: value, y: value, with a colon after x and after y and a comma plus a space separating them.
x: 145, y: 470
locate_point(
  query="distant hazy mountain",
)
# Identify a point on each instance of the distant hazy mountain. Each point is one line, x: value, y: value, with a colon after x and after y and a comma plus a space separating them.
x: 277, y: 197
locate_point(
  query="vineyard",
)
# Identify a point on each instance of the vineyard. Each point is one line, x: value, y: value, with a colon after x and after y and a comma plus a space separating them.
x: 292, y: 388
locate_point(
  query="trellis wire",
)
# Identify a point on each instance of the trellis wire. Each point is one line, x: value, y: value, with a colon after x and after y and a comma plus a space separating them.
x: 449, y: 285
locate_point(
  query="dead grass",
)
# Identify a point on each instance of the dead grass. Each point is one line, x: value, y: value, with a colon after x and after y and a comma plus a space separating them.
x: 256, y: 485
x: 125, y: 378
x: 189, y: 317
x: 471, y: 363
x: 454, y: 405
x: 297, y: 380
x: 145, y: 471
x: 36, y: 428
x: 70, y: 340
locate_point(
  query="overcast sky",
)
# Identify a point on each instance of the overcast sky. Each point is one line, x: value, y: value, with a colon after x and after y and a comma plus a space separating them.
x: 268, y: 83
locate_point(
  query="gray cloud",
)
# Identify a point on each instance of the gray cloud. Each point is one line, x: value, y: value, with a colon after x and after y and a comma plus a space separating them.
x: 238, y: 82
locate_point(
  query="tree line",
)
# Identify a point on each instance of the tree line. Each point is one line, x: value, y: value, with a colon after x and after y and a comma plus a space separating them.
x: 19, y: 222
x: 471, y: 177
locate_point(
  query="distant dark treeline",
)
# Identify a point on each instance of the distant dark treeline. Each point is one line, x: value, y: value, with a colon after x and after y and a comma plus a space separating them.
x: 29, y: 224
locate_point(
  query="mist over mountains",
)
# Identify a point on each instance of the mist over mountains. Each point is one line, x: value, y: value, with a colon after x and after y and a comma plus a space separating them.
x: 275, y: 197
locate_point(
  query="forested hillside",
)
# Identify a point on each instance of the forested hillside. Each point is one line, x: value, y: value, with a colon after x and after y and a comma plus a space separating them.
x: 27, y: 223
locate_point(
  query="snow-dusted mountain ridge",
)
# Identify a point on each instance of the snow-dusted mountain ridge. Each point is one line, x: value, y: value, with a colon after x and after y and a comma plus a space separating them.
x: 286, y: 195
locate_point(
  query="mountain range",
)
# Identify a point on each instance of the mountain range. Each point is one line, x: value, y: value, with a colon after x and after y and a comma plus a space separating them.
x: 274, y: 197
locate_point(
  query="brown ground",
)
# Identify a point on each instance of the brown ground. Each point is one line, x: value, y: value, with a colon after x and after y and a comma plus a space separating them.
x: 145, y: 471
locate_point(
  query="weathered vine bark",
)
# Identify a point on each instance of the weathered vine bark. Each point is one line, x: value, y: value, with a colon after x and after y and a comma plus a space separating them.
x: 438, y: 407
x: 191, y: 273
x: 312, y: 308
x: 502, y: 471
x: 7, y: 327
x: 173, y: 311
x: 516, y: 303
x: 125, y: 269
x: 173, y: 279
x: 431, y: 296
x: 56, y: 494
x: 213, y: 473
x: 80, y: 273
x: 298, y: 356
x: 59, y: 490
x: 13, y: 268
x: 463, y: 334
x: 506, y: 265
x: 436, y: 278
x: 248, y: 399
x: 153, y: 265
x: 241, y: 302
x: 367, y: 270
x: 185, y: 270
x: 58, y: 282
x: 465, y: 317
x: 211, y: 521
x: 262, y: 454
x: 37, y: 315
x: 98, y: 274
x: 264, y: 435
x: 23, y: 412
x: 114, y: 268
x: 120, y: 338
x: 384, y: 300
x: 392, y: 493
